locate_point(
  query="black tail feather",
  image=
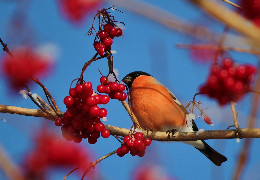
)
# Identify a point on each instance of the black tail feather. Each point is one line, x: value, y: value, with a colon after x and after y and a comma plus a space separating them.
x: 212, y: 155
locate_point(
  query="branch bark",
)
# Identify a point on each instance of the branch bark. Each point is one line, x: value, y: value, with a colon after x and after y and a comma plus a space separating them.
x: 158, y: 136
x: 230, y: 18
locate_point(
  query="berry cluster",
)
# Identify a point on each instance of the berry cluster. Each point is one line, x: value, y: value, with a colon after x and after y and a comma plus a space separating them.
x: 251, y: 10
x: 49, y: 151
x: 25, y: 64
x: 228, y: 82
x: 82, y: 117
x: 105, y: 37
x: 136, y: 145
x: 113, y: 89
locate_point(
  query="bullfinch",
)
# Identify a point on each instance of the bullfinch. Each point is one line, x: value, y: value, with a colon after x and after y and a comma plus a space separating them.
x: 157, y: 109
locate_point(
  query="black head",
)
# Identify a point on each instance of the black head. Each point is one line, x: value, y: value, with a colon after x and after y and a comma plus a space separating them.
x: 129, y: 78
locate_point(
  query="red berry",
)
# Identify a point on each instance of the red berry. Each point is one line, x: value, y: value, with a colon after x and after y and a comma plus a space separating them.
x: 95, y: 134
x: 105, y: 133
x: 130, y: 143
x: 229, y: 83
x: 114, y: 86
x: 121, y: 87
x: 102, y: 34
x: 238, y: 87
x: 250, y: 69
x: 137, y: 143
x: 119, y: 32
x: 124, y: 149
x: 116, y: 95
x: 123, y: 96
x: 227, y: 63
x: 223, y: 74
x: 91, y: 128
x: 77, y: 139
x: 68, y: 101
x: 58, y: 121
x: 147, y: 141
x: 108, y: 27
x: 101, y: 88
x: 119, y: 152
x: 241, y: 71
x: 207, y: 120
x: 99, y: 46
x: 104, y: 80
x: 102, y: 113
x: 127, y: 138
x: 91, y: 101
x: 92, y: 140
x: 141, y: 153
x: 97, y: 98
x: 99, y: 127
x: 87, y: 86
x: 107, y: 89
x: 113, y: 32
x: 139, y: 135
x: 94, y: 111
x: 72, y: 92
x: 107, y: 41
x: 104, y: 99
x: 79, y: 88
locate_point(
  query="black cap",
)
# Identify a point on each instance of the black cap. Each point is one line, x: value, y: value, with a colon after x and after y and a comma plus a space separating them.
x: 129, y: 78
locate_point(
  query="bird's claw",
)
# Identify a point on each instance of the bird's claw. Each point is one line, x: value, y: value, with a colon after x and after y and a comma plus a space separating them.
x: 238, y: 134
x: 171, y: 132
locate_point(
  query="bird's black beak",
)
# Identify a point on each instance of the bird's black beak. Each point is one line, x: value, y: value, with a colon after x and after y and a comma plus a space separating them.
x: 127, y: 80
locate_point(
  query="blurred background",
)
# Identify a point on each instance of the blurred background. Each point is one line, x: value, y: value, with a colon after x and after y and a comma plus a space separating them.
x: 148, y: 45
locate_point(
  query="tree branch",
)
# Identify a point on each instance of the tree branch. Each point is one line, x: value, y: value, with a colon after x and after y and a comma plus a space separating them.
x: 230, y: 18
x: 26, y: 112
x: 158, y: 136
x: 12, y: 172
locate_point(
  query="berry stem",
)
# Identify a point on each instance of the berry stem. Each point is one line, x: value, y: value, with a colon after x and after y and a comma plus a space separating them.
x: 48, y: 96
x: 234, y: 113
x: 92, y: 165
x: 87, y: 64
x: 5, y: 48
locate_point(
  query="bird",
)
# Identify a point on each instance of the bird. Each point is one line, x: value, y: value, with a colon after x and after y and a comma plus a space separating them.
x: 156, y: 108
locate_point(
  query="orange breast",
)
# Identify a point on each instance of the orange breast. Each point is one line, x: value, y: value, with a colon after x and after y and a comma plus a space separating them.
x: 153, y: 106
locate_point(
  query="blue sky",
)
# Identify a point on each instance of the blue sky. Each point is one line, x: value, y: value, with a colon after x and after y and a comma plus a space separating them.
x: 145, y: 45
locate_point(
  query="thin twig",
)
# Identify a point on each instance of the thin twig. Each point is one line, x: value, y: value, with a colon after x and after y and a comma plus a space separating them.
x: 234, y: 113
x: 92, y: 165
x: 87, y: 64
x: 70, y: 173
x: 214, y: 47
x: 48, y: 95
x: 5, y: 48
x: 233, y: 4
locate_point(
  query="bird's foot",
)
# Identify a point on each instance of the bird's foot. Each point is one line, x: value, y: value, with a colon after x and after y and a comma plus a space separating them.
x: 237, y: 129
x: 171, y: 132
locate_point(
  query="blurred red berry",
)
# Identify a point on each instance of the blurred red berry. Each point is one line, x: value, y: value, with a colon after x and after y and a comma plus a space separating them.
x: 25, y: 64
x: 77, y: 10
